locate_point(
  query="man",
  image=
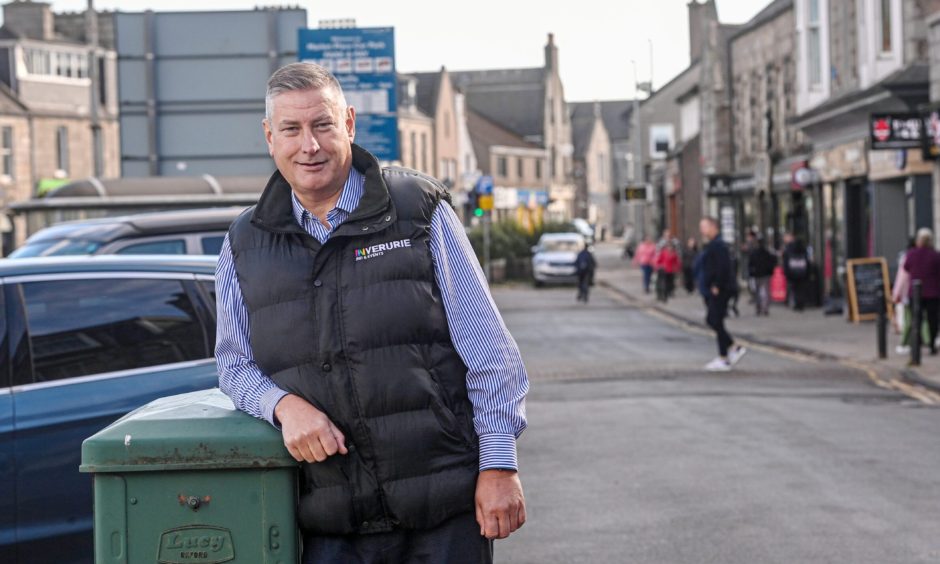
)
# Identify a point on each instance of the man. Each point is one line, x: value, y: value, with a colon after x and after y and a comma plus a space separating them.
x: 796, y: 269
x: 354, y: 316
x: 585, y: 265
x: 922, y: 264
x: 716, y: 284
x: 760, y: 267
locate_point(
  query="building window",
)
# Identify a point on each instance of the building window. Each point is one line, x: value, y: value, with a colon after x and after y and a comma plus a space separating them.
x: 62, y: 150
x: 885, y: 26
x: 538, y: 168
x: 6, y: 153
x: 601, y: 166
x: 51, y: 62
x: 519, y: 167
x: 502, y: 167
x: 414, y: 150
x: 424, y: 152
x: 446, y: 124
x: 814, y: 43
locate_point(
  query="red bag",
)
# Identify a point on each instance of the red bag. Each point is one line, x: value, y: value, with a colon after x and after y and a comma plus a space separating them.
x: 778, y: 286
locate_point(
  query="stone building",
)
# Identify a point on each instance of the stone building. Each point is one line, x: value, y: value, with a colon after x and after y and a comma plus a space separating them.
x: 519, y: 168
x: 415, y: 128
x: 765, y: 145
x: 593, y: 170
x: 66, y: 91
x: 866, y: 202
x: 530, y: 103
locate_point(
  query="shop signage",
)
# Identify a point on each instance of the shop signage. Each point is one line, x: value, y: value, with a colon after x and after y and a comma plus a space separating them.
x: 896, y: 131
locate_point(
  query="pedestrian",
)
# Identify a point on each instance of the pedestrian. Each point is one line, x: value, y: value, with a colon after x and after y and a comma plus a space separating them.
x: 715, y: 283
x: 586, y: 265
x: 900, y: 295
x: 688, y: 264
x: 353, y: 316
x: 760, y: 265
x: 645, y: 257
x: 796, y: 269
x: 629, y: 241
x: 667, y: 266
x: 922, y: 263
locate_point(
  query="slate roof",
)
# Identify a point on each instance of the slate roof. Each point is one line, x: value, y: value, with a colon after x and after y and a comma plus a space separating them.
x: 617, y: 116
x: 512, y: 98
x: 426, y: 91
x: 10, y: 104
x: 485, y: 133
x: 769, y: 12
x: 582, y: 126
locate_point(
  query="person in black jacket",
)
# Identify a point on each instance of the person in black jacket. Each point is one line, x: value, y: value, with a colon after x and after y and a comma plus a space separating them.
x: 716, y: 283
x: 585, y: 265
x: 796, y: 269
x: 760, y: 267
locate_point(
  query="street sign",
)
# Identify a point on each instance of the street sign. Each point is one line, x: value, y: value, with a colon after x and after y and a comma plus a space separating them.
x: 363, y: 60
x: 896, y: 131
x: 634, y: 193
x: 484, y: 185
x: 486, y: 202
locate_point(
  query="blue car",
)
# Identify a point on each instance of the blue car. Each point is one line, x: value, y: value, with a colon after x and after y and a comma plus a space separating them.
x: 86, y: 340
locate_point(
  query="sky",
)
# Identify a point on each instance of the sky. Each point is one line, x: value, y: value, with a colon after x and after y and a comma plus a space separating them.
x: 597, y: 42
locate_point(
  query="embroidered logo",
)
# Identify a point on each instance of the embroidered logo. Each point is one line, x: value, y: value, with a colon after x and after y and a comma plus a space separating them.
x: 374, y: 251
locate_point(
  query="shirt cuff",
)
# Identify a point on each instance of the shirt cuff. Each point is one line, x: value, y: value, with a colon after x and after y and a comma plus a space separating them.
x: 498, y: 451
x: 269, y: 401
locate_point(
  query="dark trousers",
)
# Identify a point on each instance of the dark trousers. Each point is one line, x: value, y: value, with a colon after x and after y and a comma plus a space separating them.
x: 647, y: 276
x: 798, y: 293
x: 584, y: 286
x: 455, y: 541
x: 931, y: 309
x: 717, y: 311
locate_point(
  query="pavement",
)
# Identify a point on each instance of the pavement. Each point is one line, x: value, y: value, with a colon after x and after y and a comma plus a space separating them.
x: 809, y: 332
x: 634, y: 454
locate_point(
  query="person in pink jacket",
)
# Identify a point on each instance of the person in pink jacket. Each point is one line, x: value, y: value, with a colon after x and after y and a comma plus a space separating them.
x: 645, y: 257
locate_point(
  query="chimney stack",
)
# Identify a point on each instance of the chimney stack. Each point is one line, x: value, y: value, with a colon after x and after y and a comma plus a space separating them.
x: 33, y: 20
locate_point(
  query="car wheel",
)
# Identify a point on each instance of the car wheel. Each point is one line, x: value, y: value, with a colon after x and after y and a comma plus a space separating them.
x: 539, y: 284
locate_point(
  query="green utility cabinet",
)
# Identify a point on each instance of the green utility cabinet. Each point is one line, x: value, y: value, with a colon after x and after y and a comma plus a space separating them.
x: 189, y: 479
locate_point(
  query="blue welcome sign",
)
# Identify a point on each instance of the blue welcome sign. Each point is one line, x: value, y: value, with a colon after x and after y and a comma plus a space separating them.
x: 363, y: 60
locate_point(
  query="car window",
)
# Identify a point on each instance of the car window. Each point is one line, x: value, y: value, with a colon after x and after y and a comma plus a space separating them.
x: 164, y: 247
x: 212, y: 245
x: 561, y: 245
x: 61, y: 247
x: 209, y: 287
x: 81, y: 327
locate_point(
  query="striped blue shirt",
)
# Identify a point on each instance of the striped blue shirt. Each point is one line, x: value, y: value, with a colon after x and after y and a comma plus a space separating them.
x: 496, y: 379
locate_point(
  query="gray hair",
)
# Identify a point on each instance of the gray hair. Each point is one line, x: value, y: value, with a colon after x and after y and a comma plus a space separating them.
x: 924, y: 237
x: 299, y: 76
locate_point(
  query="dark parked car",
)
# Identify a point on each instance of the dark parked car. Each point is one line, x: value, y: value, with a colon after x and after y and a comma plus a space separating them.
x: 84, y: 341
x: 182, y: 232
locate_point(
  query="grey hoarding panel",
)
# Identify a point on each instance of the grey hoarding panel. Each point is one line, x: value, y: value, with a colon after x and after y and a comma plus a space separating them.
x: 133, y: 136
x: 132, y: 81
x: 288, y: 22
x: 212, y: 135
x: 181, y: 80
x: 219, y: 167
x: 212, y: 33
x: 129, y: 34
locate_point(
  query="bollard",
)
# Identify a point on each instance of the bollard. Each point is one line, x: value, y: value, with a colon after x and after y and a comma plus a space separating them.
x: 882, y: 326
x: 916, y: 322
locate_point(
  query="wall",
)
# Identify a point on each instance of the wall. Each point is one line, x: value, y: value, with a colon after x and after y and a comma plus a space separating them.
x: 446, y: 144
x: 418, y: 155
x: 206, y: 85
x: 19, y: 186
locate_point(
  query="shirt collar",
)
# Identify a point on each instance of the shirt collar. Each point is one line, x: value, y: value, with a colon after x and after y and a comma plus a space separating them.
x: 348, y: 198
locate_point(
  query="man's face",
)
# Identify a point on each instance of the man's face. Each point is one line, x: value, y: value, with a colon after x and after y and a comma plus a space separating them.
x: 309, y: 136
x: 707, y: 229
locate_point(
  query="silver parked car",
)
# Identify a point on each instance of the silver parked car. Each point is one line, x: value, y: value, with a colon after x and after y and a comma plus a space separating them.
x: 553, y: 259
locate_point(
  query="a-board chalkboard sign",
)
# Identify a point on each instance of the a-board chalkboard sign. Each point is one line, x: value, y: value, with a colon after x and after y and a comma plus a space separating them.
x: 866, y: 278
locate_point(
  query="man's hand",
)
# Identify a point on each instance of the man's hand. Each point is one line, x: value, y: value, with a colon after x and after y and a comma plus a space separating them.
x: 309, y: 435
x: 500, y: 504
